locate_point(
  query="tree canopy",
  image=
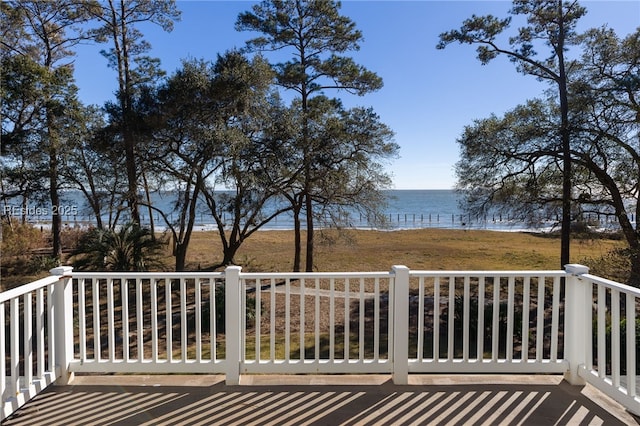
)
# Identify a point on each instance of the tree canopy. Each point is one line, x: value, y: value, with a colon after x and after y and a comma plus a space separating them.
x: 38, y: 38
x: 118, y: 20
x: 551, y: 23
x: 514, y: 162
x: 218, y: 134
x: 316, y: 37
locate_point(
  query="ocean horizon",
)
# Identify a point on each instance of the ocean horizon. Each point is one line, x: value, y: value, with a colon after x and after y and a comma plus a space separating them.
x: 405, y: 209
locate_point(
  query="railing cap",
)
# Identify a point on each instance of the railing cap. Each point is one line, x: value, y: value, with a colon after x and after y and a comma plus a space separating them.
x: 395, y: 268
x: 61, y: 270
x: 576, y: 269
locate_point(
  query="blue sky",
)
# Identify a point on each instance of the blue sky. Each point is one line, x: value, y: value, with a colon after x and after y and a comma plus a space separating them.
x: 429, y: 95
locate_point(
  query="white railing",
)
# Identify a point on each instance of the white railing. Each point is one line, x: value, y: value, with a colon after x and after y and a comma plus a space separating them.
x: 611, y: 362
x: 148, y: 323
x: 317, y: 323
x: 397, y: 322
x: 493, y: 322
x: 33, y: 338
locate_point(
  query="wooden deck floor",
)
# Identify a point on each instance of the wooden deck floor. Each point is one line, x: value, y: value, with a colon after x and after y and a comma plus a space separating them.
x: 320, y: 400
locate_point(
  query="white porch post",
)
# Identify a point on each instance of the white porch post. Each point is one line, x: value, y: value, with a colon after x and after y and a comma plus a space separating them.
x: 63, y: 323
x: 233, y: 324
x: 577, y: 329
x: 400, y: 325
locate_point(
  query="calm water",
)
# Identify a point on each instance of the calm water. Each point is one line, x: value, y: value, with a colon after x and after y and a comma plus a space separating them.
x: 406, y: 209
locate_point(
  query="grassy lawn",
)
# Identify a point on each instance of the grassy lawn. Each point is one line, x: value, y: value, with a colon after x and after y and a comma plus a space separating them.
x: 430, y: 249
x: 359, y: 250
x: 294, y: 348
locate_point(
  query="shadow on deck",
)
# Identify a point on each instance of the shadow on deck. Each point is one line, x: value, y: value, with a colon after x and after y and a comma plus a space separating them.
x: 321, y: 400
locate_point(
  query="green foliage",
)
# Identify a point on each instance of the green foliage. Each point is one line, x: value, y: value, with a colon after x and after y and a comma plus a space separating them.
x: 545, y: 22
x: 317, y: 37
x: 235, y: 149
x: 513, y: 162
x: 119, y: 25
x: 41, y: 263
x: 220, y: 311
x: 623, y: 344
x: 317, y: 34
x: 129, y: 248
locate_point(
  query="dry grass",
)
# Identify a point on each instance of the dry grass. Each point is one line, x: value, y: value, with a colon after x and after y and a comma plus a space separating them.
x: 356, y: 250
x: 430, y: 249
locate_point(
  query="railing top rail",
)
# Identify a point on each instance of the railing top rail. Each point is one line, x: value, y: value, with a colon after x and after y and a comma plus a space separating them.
x: 321, y: 275
x: 612, y: 284
x: 551, y: 273
x: 134, y: 275
x: 312, y: 275
x: 27, y: 288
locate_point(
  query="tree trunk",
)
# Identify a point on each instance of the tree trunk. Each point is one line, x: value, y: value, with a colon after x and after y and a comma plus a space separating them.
x: 230, y: 253
x: 565, y: 232
x: 183, y: 236
x: 149, y: 206
x: 93, y: 198
x: 565, y: 134
x: 95, y: 206
x: 25, y: 209
x: 309, y: 248
x: 130, y: 159
x: 121, y: 45
x: 180, y: 252
x: 297, y: 255
x: 54, y: 195
x: 56, y: 219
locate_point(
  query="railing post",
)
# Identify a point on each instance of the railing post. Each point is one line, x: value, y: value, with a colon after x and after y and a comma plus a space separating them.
x: 232, y: 324
x: 63, y: 323
x: 578, y: 300
x: 400, y: 325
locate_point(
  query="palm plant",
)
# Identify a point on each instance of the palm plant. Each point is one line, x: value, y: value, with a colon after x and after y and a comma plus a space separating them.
x: 128, y: 248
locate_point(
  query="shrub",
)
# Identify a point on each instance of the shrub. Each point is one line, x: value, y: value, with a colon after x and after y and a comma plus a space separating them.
x: 71, y: 237
x: 129, y: 248
x: 614, y: 265
x: 220, y: 311
x: 41, y: 263
x: 622, y: 327
x: 20, y: 239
